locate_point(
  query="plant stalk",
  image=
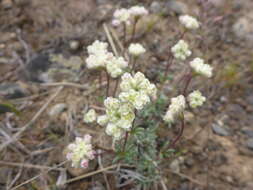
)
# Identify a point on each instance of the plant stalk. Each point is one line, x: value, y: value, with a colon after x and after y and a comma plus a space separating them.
x: 108, y: 84
x: 134, y: 29
x: 180, y: 133
x: 116, y: 87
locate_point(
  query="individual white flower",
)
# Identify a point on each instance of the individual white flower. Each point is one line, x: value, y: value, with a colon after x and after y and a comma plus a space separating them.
x: 136, y: 49
x: 80, y: 152
x: 114, y: 130
x: 102, y: 120
x: 196, y: 99
x: 121, y: 16
x: 181, y: 50
x: 189, y: 22
x: 90, y: 116
x: 95, y: 61
x: 115, y: 67
x: 138, y: 11
x: 176, y: 107
x: 201, y: 68
x: 97, y: 47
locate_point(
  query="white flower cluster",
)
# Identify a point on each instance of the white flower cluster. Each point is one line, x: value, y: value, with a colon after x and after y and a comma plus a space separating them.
x: 125, y: 15
x: 119, y: 117
x: 115, y: 67
x: 176, y: 107
x: 136, y: 49
x: 181, y: 50
x: 98, y: 55
x: 196, y: 99
x: 138, y: 11
x: 136, y: 90
x: 121, y: 16
x: 90, y: 116
x: 201, y: 68
x: 80, y: 152
x: 189, y: 22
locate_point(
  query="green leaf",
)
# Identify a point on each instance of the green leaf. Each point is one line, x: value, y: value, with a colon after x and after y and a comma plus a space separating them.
x: 7, y: 107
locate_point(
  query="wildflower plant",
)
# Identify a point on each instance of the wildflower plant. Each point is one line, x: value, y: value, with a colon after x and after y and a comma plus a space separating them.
x: 133, y: 116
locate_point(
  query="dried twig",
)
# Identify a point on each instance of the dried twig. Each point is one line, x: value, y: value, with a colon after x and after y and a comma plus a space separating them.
x: 32, y: 121
x: 188, y: 178
x: 15, y: 178
x: 35, y: 177
x: 15, y: 164
x: 91, y: 173
x: 69, y: 84
x: 102, y: 167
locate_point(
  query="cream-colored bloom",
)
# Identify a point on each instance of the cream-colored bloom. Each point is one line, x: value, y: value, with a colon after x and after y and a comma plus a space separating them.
x: 189, y: 22
x: 80, y: 152
x: 114, y: 131
x: 115, y: 67
x: 136, y: 49
x: 90, y: 116
x: 138, y: 11
x: 119, y: 113
x: 136, y: 90
x: 176, y: 107
x: 121, y: 16
x: 181, y: 50
x: 102, y: 120
x: 99, y: 60
x: 97, y: 47
x: 201, y: 68
x: 196, y: 99
x: 137, y: 99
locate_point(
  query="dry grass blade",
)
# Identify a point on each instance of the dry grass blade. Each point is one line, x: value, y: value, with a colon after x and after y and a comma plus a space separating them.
x: 110, y: 40
x: 32, y: 121
x: 14, y: 164
x: 91, y: 173
x: 69, y: 84
x: 35, y: 177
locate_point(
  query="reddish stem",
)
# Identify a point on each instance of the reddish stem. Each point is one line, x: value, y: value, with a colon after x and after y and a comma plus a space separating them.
x: 187, y: 84
x: 180, y: 133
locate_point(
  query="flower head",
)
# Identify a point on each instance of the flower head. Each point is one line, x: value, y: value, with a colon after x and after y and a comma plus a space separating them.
x: 80, y: 152
x: 201, y: 68
x: 90, y: 116
x: 136, y: 90
x: 181, y: 50
x: 189, y: 22
x: 176, y: 107
x: 136, y: 49
x: 115, y: 66
x: 102, y: 120
x: 97, y: 47
x: 138, y: 11
x: 119, y: 113
x: 196, y: 99
x: 114, y: 131
x: 98, y: 61
x: 121, y: 16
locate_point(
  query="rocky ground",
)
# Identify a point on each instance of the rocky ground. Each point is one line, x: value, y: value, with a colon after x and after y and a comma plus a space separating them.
x: 42, y: 47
